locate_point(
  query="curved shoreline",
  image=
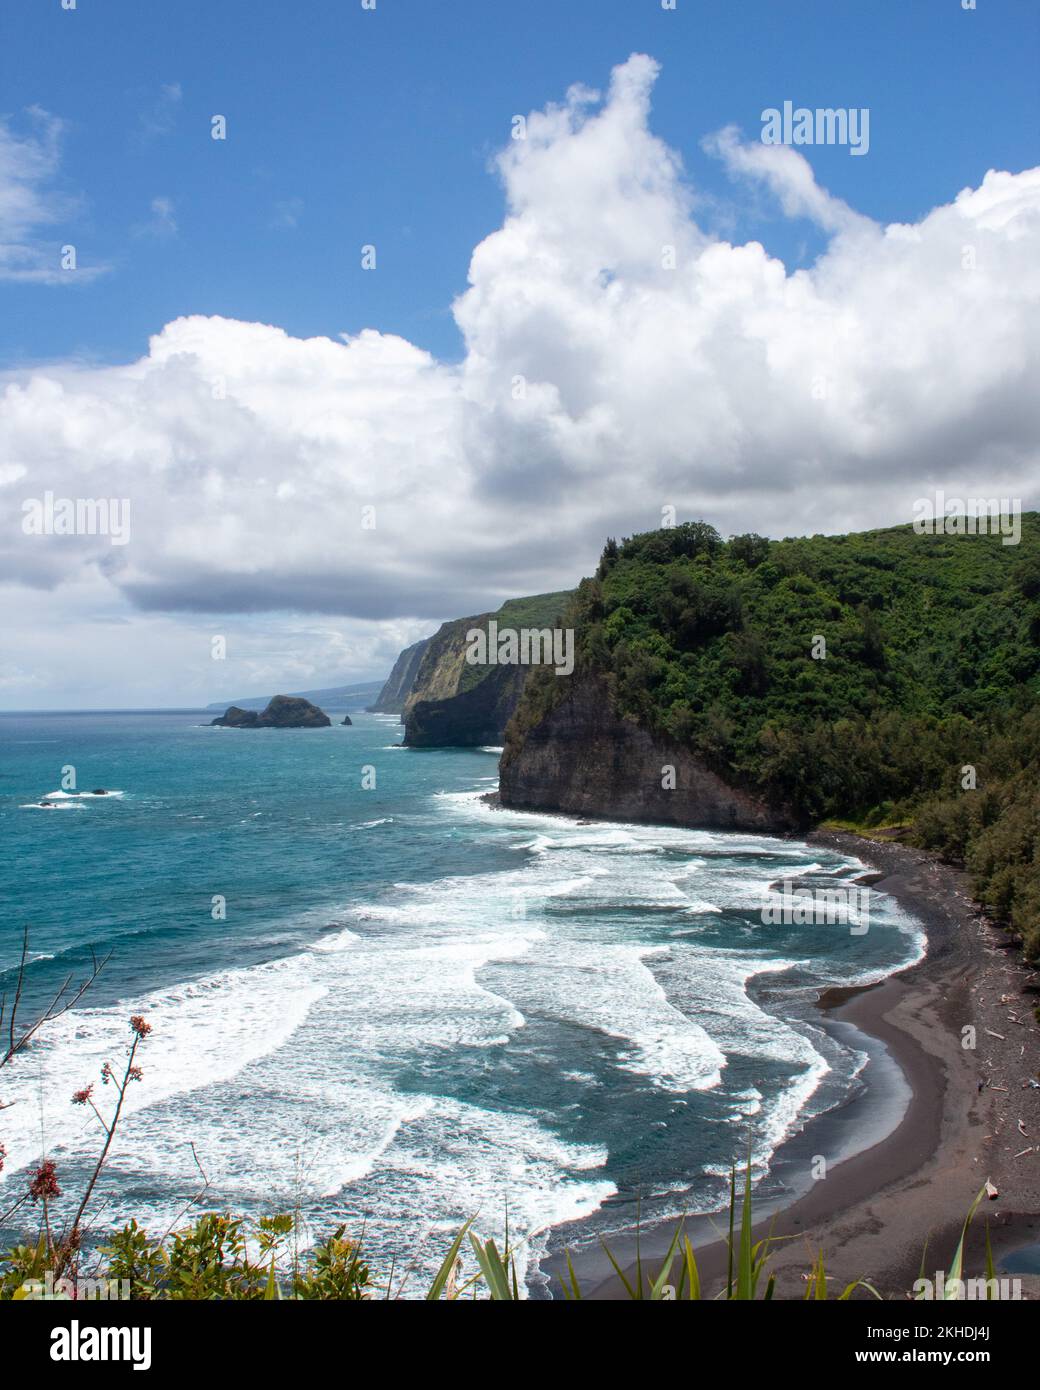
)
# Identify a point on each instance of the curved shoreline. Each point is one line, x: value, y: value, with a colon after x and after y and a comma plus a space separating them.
x: 878, y: 1209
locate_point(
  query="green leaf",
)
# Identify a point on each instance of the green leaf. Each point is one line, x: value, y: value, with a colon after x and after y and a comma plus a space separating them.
x: 494, y: 1269
x: 620, y: 1272
x: 691, y: 1274
x: 957, y: 1265
x: 571, y: 1293
x: 657, y: 1287
x: 746, y: 1277
x: 441, y: 1277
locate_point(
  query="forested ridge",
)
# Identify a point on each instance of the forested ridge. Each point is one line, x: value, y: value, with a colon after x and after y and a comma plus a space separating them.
x: 879, y: 678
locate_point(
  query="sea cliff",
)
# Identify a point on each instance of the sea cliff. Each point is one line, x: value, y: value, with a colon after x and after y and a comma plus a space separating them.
x: 456, y: 703
x: 584, y: 758
x: 399, y: 683
x: 882, y: 679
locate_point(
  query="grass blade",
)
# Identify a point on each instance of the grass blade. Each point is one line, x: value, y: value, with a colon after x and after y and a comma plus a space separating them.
x: 573, y: 1293
x: 619, y: 1271
x: 691, y: 1277
x: 957, y: 1266
x: 657, y: 1287
x: 441, y: 1277
x: 746, y: 1261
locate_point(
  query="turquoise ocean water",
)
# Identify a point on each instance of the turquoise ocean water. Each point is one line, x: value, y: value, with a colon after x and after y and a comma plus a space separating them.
x: 417, y: 1008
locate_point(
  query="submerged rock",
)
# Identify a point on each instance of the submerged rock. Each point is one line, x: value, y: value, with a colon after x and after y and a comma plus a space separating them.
x: 283, y: 712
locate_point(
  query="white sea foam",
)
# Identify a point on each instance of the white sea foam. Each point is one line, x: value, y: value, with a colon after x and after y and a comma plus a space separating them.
x: 54, y: 806
x: 204, y: 1031
x: 610, y: 989
x: 94, y: 795
x: 325, y: 1080
x: 705, y: 982
x: 339, y: 941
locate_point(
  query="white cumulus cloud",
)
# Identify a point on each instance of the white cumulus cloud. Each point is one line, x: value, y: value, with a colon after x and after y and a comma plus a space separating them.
x: 618, y: 359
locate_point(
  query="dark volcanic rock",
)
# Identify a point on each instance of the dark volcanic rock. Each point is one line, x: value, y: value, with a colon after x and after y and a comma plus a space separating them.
x: 347, y: 719
x: 293, y: 712
x: 469, y: 719
x: 584, y: 758
x: 453, y: 704
x: 236, y: 718
x: 283, y: 712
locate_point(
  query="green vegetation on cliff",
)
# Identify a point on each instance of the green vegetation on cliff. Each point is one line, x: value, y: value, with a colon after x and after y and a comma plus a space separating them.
x: 454, y: 702
x: 853, y: 676
x: 534, y: 611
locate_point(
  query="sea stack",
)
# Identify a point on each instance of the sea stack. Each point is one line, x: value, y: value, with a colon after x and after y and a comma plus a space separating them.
x: 347, y: 719
x: 283, y: 712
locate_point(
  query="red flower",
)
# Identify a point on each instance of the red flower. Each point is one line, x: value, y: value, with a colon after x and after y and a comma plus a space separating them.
x: 44, y: 1182
x: 3, y: 1155
x: 81, y: 1097
x: 134, y: 1074
x: 139, y: 1026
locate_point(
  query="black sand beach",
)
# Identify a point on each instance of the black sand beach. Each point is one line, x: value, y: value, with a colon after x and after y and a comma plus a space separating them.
x: 972, y: 1114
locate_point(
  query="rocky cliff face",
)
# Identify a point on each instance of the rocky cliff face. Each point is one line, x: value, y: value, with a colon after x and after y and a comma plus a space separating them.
x: 469, y: 718
x: 452, y: 704
x: 583, y: 758
x: 456, y: 704
x: 283, y: 712
x: 401, y: 679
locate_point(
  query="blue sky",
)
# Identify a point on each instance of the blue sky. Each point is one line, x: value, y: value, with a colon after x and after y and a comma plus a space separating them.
x: 642, y: 311
x: 348, y: 127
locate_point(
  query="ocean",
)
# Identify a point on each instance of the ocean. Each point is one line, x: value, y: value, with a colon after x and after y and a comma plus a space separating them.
x: 396, y: 1006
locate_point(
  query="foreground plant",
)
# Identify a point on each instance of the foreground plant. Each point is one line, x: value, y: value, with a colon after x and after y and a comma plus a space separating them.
x: 139, y: 1030
x: 952, y: 1287
x: 218, y: 1257
x: 58, y: 1252
x: 745, y: 1265
x: 215, y: 1257
x: 15, y: 1036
